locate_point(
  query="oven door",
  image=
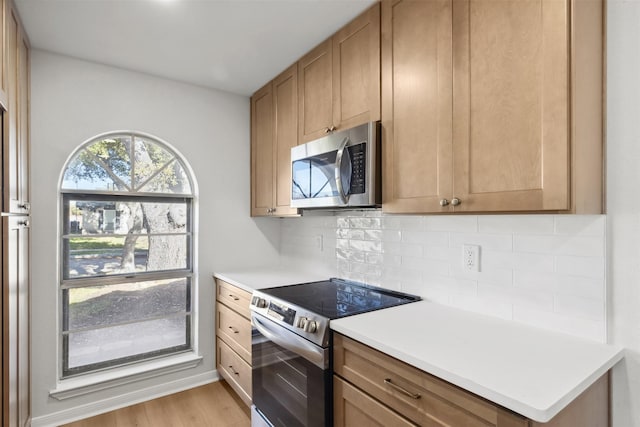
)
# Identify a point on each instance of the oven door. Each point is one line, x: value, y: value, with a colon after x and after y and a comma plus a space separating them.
x: 291, y: 380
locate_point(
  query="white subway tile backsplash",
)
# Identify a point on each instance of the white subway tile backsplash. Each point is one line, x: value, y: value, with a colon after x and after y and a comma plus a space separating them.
x: 590, y: 308
x: 391, y: 235
x: 560, y: 245
x: 528, y: 224
x: 581, y: 266
x: 585, y: 328
x: 397, y: 248
x: 365, y: 222
x: 460, y: 224
x: 544, y: 270
x: 366, y: 245
x: 372, y: 235
x: 496, y: 242
x: 427, y: 238
x: 401, y: 222
x: 580, y: 225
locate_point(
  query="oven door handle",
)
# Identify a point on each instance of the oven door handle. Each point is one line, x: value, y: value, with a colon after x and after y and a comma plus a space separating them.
x: 292, y: 342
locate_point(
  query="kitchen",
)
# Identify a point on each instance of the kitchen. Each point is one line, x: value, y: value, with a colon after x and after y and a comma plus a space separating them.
x: 74, y: 99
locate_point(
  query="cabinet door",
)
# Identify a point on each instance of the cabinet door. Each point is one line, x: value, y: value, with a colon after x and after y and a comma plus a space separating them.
x: 316, y: 93
x: 262, y: 151
x: 352, y: 407
x: 356, y: 71
x: 15, y: 334
x: 511, y: 105
x: 23, y: 125
x: 15, y: 140
x: 3, y: 57
x: 416, y: 105
x: 285, y: 107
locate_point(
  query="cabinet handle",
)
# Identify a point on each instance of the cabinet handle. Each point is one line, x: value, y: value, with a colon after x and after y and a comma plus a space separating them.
x: 235, y: 298
x: 387, y: 381
x: 444, y: 202
x: 327, y: 130
x: 24, y: 223
x: 234, y: 330
x: 333, y: 128
x: 233, y: 370
x: 455, y: 201
x: 25, y: 205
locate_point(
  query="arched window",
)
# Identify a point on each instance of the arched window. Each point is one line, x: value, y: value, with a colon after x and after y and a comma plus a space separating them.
x: 126, y: 253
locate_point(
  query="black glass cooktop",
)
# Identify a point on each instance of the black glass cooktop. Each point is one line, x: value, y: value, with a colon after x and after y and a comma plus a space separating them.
x: 337, y: 298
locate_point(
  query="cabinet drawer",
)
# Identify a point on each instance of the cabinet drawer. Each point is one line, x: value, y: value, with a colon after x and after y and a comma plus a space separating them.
x: 233, y: 297
x: 236, y: 371
x: 353, y: 407
x: 235, y: 330
x: 422, y: 398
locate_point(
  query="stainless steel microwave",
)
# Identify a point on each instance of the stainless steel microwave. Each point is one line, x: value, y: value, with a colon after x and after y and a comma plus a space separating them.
x: 339, y: 170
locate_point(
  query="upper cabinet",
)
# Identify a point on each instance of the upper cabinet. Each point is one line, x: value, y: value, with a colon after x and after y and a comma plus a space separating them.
x: 492, y: 106
x: 16, y: 198
x: 273, y: 132
x: 339, y: 80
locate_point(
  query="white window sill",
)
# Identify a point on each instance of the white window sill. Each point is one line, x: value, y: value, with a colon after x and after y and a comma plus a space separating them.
x: 91, y: 383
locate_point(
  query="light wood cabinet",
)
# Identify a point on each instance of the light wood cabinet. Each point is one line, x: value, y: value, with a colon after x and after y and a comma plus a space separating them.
x: 492, y: 106
x: 233, y: 337
x: 16, y: 196
x: 353, y: 407
x: 340, y: 79
x: 14, y: 108
x: 370, y: 385
x: 15, y: 284
x: 274, y: 124
x: 416, y: 395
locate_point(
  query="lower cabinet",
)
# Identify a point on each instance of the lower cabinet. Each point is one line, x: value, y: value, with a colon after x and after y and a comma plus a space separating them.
x: 353, y: 407
x: 233, y: 338
x: 373, y: 388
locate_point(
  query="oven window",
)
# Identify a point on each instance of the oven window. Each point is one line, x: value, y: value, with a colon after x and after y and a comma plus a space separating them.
x: 289, y: 390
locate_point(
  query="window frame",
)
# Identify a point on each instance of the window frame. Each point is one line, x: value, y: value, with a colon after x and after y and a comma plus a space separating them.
x: 66, y: 283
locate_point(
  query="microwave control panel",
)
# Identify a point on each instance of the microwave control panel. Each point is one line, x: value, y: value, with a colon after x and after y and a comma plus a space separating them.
x: 358, y: 165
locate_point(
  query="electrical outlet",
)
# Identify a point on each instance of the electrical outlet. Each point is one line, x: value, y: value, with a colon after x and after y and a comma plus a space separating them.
x: 319, y: 243
x: 471, y: 257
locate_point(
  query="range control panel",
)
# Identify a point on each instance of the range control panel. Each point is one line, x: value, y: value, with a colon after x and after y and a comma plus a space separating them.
x: 304, y: 323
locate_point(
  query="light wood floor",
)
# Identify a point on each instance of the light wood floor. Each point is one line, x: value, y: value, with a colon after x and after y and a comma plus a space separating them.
x: 212, y: 405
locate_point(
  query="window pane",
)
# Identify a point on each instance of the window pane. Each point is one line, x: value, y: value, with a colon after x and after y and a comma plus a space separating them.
x: 103, y: 256
x: 149, y: 158
x: 172, y: 179
x: 126, y: 341
x: 103, y: 165
x: 95, y: 217
x: 99, y: 306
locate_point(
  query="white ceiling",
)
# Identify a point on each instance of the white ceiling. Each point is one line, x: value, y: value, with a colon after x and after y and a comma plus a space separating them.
x: 233, y: 45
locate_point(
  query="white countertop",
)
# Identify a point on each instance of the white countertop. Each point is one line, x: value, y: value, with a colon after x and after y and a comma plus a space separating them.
x: 260, y: 278
x: 533, y: 372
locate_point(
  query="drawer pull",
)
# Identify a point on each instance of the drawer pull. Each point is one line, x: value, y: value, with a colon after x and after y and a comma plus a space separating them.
x: 402, y: 390
x: 233, y: 370
x: 235, y: 298
x: 234, y: 330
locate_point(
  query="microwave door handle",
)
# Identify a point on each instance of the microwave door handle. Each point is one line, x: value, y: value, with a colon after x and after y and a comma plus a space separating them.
x: 293, y: 342
x: 339, y: 158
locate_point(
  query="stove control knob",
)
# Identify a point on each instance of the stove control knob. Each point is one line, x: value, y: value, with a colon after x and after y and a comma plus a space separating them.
x: 261, y: 303
x: 310, y: 326
x: 301, y: 322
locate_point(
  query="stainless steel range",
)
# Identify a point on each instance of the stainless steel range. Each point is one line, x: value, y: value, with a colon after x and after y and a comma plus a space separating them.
x: 291, y: 346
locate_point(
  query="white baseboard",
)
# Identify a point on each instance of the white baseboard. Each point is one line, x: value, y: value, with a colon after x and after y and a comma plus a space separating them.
x: 121, y: 401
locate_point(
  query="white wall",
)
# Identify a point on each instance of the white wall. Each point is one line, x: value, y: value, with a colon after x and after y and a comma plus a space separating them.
x: 623, y: 203
x: 73, y: 101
